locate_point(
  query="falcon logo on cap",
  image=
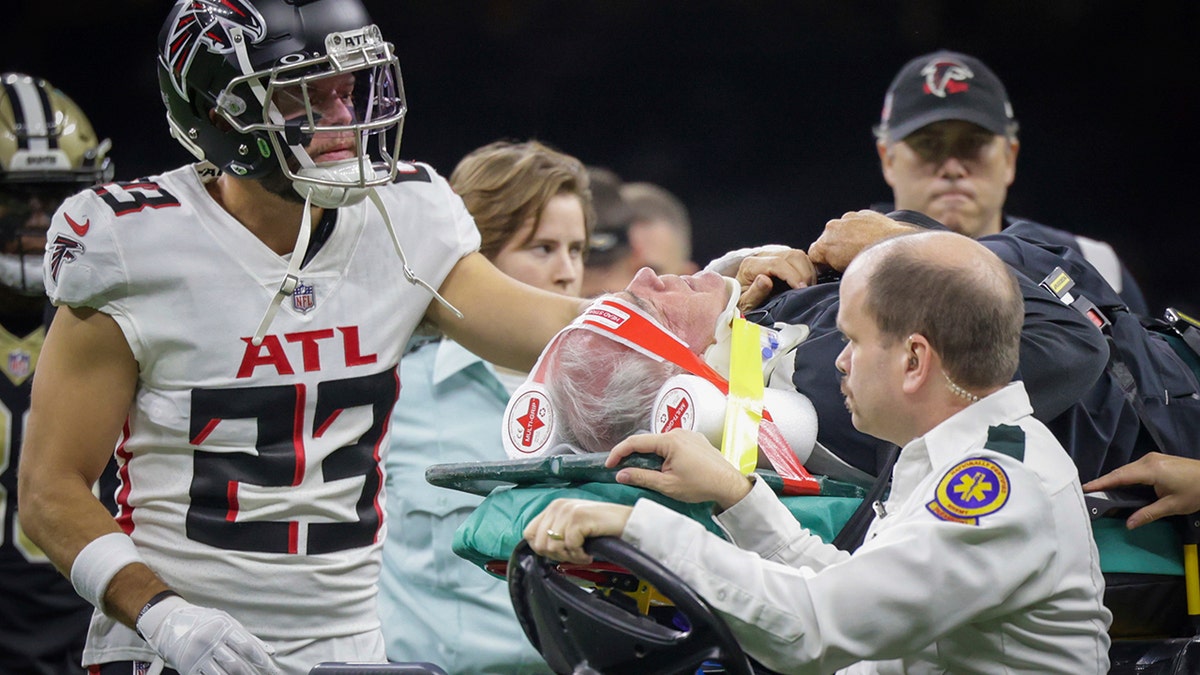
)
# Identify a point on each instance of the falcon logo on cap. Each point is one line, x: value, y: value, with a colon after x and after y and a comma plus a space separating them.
x: 946, y: 77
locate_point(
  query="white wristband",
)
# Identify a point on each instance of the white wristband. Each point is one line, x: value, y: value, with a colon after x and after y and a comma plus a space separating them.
x: 99, y: 562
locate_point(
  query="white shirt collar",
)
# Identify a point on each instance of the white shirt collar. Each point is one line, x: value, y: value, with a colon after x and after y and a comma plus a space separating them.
x: 958, y: 433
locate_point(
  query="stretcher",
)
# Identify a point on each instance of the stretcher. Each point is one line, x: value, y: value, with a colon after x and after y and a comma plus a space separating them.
x: 630, y: 615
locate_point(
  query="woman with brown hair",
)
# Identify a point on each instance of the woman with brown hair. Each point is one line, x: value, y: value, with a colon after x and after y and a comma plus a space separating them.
x: 533, y: 207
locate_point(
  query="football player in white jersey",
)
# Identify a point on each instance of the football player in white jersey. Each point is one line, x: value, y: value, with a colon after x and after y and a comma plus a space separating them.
x: 232, y: 328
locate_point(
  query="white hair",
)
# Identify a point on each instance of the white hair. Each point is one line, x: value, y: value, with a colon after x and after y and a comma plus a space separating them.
x: 602, y: 391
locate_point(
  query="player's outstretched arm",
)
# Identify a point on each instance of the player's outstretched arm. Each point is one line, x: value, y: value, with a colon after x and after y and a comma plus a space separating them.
x: 504, y: 321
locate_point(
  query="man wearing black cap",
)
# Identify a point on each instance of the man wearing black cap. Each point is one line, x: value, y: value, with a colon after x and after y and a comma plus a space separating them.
x: 947, y: 142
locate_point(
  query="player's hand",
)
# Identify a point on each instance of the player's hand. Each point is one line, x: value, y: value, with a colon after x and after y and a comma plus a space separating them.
x: 198, y: 640
x: 845, y: 237
x: 754, y: 268
x: 1176, y: 481
x: 558, y: 532
x: 757, y: 274
x: 692, y: 469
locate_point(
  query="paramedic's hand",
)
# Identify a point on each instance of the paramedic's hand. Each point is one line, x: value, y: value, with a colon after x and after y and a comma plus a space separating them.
x: 1176, y: 481
x: 194, y: 640
x: 757, y: 274
x: 692, y: 469
x: 845, y: 237
x: 558, y: 532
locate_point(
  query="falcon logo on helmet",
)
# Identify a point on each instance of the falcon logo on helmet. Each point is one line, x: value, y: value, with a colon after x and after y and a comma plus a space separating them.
x: 208, y: 23
x: 946, y: 77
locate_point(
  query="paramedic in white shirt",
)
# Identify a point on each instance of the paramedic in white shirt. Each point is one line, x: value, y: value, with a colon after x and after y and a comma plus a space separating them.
x: 981, y: 560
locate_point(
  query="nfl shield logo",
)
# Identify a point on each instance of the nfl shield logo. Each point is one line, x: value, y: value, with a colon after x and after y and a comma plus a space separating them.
x: 303, y: 298
x: 19, y: 364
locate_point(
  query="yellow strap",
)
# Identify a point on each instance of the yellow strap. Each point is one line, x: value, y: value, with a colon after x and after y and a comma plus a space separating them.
x: 743, y: 410
x: 1190, y: 578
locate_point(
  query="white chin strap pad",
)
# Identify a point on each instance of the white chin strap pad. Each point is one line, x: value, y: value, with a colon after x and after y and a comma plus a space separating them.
x: 693, y: 403
x: 350, y: 172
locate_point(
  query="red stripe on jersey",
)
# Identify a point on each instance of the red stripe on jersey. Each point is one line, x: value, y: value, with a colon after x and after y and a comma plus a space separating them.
x: 231, y: 491
x: 124, y: 515
x: 293, y: 537
x: 298, y: 433
x: 324, y: 427
x: 208, y: 429
x: 387, y: 422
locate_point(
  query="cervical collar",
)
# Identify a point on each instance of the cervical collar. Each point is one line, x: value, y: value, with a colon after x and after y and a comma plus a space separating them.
x: 692, y: 403
x: 776, y: 342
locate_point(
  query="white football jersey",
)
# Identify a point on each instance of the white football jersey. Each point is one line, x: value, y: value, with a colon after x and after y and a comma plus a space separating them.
x: 252, y: 476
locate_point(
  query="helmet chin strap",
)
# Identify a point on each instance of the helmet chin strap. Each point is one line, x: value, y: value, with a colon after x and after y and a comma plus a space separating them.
x: 291, y: 278
x: 777, y: 342
x: 409, y: 274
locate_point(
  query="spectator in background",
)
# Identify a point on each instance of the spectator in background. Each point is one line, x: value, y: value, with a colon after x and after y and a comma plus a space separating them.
x: 532, y: 207
x: 661, y: 232
x: 48, y: 151
x: 611, y: 260
x: 947, y: 143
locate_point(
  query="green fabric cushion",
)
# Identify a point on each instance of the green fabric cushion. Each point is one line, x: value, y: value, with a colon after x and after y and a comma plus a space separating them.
x: 1150, y: 549
x: 494, y: 529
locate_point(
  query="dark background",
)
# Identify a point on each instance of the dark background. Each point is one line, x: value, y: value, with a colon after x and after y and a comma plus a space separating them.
x: 756, y: 113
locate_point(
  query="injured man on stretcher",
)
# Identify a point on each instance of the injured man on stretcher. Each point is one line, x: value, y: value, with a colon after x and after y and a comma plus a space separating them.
x: 981, y: 558
x: 657, y: 356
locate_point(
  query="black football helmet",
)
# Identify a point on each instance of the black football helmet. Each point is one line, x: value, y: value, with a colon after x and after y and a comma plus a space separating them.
x: 48, y: 151
x: 306, y: 86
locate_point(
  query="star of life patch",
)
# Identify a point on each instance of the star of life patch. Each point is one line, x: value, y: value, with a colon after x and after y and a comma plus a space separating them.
x: 972, y: 489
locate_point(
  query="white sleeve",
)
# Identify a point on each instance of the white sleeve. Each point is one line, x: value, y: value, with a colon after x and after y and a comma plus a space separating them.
x: 82, y: 265
x: 762, y: 524
x: 903, y: 589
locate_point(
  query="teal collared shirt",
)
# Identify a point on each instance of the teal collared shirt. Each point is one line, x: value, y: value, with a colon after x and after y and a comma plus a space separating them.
x: 435, y: 606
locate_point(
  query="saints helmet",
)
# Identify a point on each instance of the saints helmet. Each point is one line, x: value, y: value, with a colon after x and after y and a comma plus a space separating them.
x: 48, y: 151
x: 308, y: 87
